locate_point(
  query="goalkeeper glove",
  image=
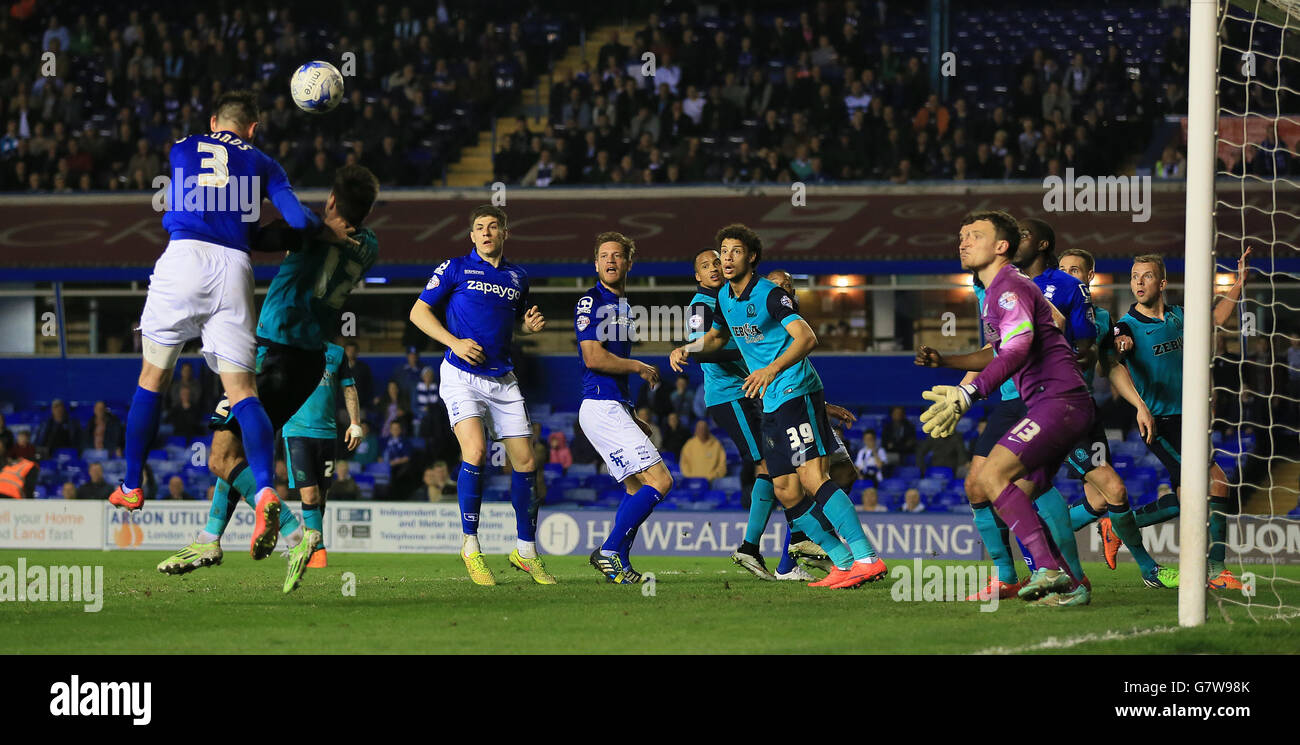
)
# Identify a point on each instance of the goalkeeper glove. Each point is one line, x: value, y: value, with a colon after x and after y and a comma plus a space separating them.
x: 950, y: 402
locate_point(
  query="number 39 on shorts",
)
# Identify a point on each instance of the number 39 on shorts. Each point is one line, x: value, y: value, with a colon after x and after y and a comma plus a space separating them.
x: 1026, y: 429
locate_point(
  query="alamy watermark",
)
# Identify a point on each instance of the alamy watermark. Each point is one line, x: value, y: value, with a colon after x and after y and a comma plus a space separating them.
x: 90, y: 699
x: 1104, y: 194
x: 932, y: 583
x: 54, y: 584
x: 640, y: 323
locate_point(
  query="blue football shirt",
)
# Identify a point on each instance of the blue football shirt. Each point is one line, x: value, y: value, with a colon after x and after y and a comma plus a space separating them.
x: 604, y: 317
x: 484, y: 303
x: 222, y: 172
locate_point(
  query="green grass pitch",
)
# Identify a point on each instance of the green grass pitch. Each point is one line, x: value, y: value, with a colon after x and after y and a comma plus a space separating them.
x: 425, y: 603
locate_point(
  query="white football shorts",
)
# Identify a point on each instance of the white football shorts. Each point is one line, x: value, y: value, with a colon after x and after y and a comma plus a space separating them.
x: 611, y: 430
x: 497, y: 401
x: 202, y: 290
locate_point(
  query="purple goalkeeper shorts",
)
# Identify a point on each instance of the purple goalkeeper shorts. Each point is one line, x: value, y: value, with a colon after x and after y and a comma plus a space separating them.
x: 1048, y: 431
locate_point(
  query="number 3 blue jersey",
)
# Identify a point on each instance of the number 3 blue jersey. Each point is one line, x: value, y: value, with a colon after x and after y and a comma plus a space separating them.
x: 218, y: 184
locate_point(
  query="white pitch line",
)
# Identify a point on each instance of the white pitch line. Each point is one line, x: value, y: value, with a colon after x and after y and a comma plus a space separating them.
x: 1053, y: 642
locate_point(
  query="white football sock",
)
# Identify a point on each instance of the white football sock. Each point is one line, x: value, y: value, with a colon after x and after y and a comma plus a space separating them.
x: 527, y: 549
x: 206, y: 537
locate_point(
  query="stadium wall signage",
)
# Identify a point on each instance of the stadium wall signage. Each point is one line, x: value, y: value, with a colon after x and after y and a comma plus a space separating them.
x: 838, y: 223
x: 416, y: 527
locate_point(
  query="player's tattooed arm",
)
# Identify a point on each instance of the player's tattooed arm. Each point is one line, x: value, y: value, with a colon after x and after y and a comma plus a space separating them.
x: 352, y: 402
x: 423, y: 317
x: 975, y: 361
x: 601, y: 360
x: 1122, y: 383
x: 802, y: 342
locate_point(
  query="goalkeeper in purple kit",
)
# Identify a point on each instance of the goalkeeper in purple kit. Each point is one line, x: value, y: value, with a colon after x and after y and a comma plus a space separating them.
x: 1033, y: 352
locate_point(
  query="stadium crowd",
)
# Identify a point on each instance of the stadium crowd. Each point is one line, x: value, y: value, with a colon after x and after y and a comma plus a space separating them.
x: 128, y: 83
x: 810, y: 95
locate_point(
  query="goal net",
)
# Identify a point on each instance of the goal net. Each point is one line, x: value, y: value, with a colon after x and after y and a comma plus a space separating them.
x: 1254, y: 361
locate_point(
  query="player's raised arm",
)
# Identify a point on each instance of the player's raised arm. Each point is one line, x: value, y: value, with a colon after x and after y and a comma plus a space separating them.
x: 286, y: 201
x: 704, y: 349
x: 1226, y: 304
x: 713, y: 322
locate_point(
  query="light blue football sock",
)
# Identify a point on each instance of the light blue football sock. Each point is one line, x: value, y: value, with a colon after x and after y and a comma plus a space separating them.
x: 1081, y: 515
x: 1051, y: 506
x: 835, y: 504
x: 1125, y: 526
x: 760, y: 508
x: 819, y: 530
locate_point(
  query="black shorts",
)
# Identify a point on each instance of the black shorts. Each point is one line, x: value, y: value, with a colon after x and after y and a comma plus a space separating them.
x: 310, y: 462
x: 1005, y: 415
x: 796, y: 433
x: 1091, y: 452
x: 1167, y: 445
x: 743, y: 421
x: 286, y: 378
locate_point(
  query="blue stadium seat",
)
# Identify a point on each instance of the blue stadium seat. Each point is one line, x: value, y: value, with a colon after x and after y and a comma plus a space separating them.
x: 939, y: 472
x: 582, y: 496
x: 552, y: 471
x: 581, y: 470
x: 727, y: 483
x: 892, y: 487
x: 92, y: 455
x: 694, y: 486
x: 930, y: 487
x: 63, y: 455
x: 907, y: 473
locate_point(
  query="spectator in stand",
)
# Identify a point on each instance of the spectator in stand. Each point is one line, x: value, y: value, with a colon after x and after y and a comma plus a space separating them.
x: 23, y: 446
x: 437, y: 485
x: 558, y: 451
x: 17, y: 475
x: 682, y: 397
x: 68, y: 490
x: 899, y: 434
x: 104, y: 431
x: 870, y: 460
x: 699, y: 408
x: 1172, y: 165
x: 176, y: 488
x: 59, y: 431
x: 648, y: 419
x: 187, y: 381
x: 675, y: 433
x: 702, y: 456
x: 407, y: 377
x: 394, y: 406
x: 871, y: 501
x: 360, y: 370
x: 398, y: 456
x: 344, y: 486
x: 95, y: 487
x: 912, y: 501
x: 426, y: 392
x: 186, y: 417
x: 368, y: 451
x: 947, y: 451
x: 581, y: 448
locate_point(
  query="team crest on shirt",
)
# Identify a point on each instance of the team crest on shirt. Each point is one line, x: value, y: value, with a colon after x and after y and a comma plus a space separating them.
x: 1049, y: 292
x: 1008, y: 300
x: 514, y: 278
x: 697, y: 322
x: 433, y: 282
x: 785, y: 300
x: 584, y: 304
x: 750, y: 312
